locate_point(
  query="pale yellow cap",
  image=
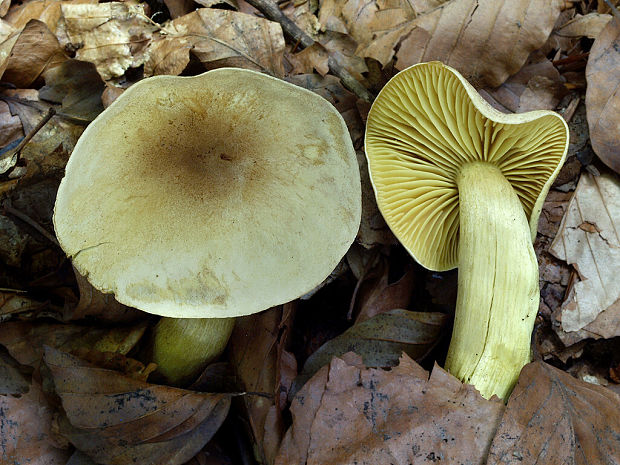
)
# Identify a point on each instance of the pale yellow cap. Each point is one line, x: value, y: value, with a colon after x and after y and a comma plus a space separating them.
x: 425, y: 124
x: 211, y: 196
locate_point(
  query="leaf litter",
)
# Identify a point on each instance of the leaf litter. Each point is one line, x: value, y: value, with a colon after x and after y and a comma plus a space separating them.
x: 76, y: 56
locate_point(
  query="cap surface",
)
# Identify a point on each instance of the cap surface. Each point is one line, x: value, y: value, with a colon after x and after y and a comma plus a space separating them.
x: 211, y: 196
x: 425, y: 124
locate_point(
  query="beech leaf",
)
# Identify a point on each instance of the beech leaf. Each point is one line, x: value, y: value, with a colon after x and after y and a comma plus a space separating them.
x: 603, y: 95
x: 588, y: 239
x: 118, y: 420
x: 553, y: 418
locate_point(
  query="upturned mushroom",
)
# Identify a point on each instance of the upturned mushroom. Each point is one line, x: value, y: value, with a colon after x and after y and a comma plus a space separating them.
x: 462, y: 185
x: 209, y: 197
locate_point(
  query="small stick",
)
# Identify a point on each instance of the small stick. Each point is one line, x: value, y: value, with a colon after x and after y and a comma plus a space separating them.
x: 48, y: 116
x: 8, y: 208
x: 614, y: 10
x: 272, y: 12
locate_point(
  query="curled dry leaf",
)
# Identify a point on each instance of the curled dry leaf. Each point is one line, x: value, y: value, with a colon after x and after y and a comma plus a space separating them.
x: 499, y: 33
x: 25, y: 425
x: 114, y: 36
x: 588, y: 239
x: 77, y: 87
x: 47, y: 11
x: 380, y: 341
x: 349, y: 414
x: 35, y: 51
x: 218, y: 38
x: 589, y: 26
x: 537, y: 86
x: 553, y: 418
x: 118, y: 420
x: 603, y: 95
x: 262, y: 365
x: 25, y: 340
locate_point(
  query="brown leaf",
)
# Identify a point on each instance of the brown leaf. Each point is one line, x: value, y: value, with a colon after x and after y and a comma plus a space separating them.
x: 486, y: 40
x: 114, y: 36
x: 26, y: 423
x: 77, y: 87
x: 47, y: 11
x: 14, y: 378
x: 537, y: 86
x: 603, y: 95
x: 349, y: 414
x: 373, y: 229
x: 553, y: 418
x: 380, y: 340
x: 35, y: 51
x: 262, y: 365
x: 10, y: 126
x: 118, y: 420
x: 103, y: 306
x: 218, y: 38
x: 4, y: 7
x: 593, y: 303
x: 589, y: 26
x: 25, y: 340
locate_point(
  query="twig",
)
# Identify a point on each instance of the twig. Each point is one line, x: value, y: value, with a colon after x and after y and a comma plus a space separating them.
x: 48, y: 116
x: 272, y: 12
x: 614, y: 10
x: 8, y: 208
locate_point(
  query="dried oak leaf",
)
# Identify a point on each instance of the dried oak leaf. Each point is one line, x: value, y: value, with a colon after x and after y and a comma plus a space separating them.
x: 35, y: 51
x: 499, y: 34
x: 350, y: 414
x: 603, y: 95
x: 118, y: 420
x: 217, y: 38
x: 25, y: 425
x: 553, y: 418
x: 114, y: 36
x: 589, y: 239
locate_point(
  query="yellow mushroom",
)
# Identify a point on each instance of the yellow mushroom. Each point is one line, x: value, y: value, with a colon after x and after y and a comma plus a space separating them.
x: 209, y: 197
x: 462, y: 185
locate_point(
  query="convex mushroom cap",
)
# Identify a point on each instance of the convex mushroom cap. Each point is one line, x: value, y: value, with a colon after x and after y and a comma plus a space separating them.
x: 218, y: 195
x: 425, y: 125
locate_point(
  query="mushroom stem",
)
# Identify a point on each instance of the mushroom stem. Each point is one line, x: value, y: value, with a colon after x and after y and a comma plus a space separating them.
x: 182, y: 347
x: 498, y: 292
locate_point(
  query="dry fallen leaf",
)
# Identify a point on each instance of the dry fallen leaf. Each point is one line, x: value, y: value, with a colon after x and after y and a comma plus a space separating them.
x: 114, y: 36
x: 261, y: 364
x: 553, y: 418
x: 25, y: 340
x: 499, y: 34
x: 118, y: 420
x: 603, y: 95
x: 589, y: 26
x: 77, y: 87
x: 380, y: 341
x: 47, y: 11
x: 588, y: 239
x: 25, y: 425
x: 35, y: 51
x: 10, y: 126
x: 349, y: 414
x: 218, y: 38
x: 537, y: 86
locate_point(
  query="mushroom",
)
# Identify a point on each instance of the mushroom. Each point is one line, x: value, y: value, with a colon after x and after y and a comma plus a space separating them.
x: 209, y: 197
x: 462, y: 185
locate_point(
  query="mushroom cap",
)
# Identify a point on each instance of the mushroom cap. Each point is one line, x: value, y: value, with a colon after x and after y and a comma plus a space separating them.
x: 217, y: 195
x: 424, y: 125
